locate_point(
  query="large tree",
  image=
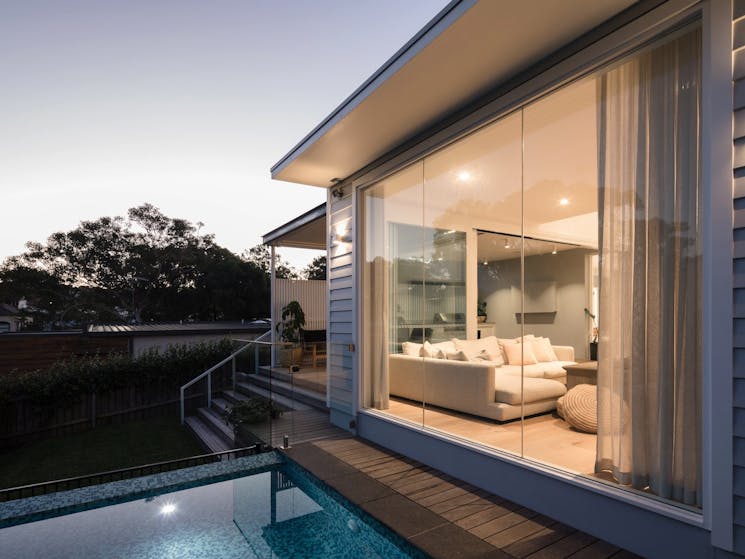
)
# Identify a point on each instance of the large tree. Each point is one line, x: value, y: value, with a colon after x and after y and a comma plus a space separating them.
x: 261, y: 255
x: 316, y: 270
x: 145, y: 267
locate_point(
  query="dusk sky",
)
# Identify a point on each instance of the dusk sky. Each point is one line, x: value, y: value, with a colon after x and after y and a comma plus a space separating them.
x: 183, y: 104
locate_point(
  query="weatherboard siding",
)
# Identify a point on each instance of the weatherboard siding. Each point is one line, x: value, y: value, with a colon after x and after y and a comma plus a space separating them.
x: 738, y: 269
x: 340, y: 328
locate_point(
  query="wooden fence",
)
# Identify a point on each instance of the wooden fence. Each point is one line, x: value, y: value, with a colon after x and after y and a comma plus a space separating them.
x: 23, y: 421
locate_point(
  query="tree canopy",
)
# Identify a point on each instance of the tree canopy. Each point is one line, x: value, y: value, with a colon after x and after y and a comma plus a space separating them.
x: 146, y: 267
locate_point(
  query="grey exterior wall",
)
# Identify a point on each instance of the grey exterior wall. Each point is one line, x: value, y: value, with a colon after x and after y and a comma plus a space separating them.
x: 340, y: 327
x: 739, y: 276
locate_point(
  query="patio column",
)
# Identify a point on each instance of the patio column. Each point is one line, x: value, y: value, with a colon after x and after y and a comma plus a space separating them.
x: 272, y: 281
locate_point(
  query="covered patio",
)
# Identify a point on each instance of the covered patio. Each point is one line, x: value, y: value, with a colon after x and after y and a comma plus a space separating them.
x: 307, y: 231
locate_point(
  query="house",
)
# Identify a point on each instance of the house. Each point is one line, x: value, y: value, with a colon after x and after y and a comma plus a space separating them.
x: 10, y: 318
x: 572, y: 165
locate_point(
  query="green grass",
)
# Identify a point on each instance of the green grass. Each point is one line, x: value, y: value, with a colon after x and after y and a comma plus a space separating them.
x: 107, y: 447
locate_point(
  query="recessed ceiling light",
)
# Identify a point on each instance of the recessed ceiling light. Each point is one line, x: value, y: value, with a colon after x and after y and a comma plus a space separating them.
x: 464, y: 176
x: 564, y: 202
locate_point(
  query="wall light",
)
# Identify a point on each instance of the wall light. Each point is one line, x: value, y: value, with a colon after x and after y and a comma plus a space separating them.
x: 340, y: 234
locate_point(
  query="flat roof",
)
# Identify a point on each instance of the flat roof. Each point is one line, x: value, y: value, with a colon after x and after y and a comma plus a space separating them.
x: 305, y: 231
x: 175, y: 328
x: 465, y: 51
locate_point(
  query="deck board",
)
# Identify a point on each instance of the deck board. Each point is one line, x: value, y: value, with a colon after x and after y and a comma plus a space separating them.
x: 510, y: 530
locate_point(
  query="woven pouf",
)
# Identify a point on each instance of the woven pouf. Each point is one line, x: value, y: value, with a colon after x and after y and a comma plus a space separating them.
x: 580, y: 408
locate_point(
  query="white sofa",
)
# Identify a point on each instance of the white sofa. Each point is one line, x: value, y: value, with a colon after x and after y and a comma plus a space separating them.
x: 483, y: 388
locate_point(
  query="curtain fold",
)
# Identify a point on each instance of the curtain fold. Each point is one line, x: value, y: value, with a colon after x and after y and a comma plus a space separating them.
x: 649, y: 357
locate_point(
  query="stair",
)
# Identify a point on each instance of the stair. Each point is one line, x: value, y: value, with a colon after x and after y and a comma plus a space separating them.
x: 215, y: 435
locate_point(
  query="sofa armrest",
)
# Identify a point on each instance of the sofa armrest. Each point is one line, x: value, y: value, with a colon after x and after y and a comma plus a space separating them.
x: 564, y: 352
x: 460, y: 385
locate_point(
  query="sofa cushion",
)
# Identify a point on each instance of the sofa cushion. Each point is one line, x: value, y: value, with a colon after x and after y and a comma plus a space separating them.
x: 508, y: 389
x: 458, y: 356
x: 412, y: 349
x: 474, y: 348
x: 520, y: 354
x: 543, y: 351
x: 437, y: 351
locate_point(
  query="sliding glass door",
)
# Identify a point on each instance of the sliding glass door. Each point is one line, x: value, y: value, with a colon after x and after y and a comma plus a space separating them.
x: 534, y: 287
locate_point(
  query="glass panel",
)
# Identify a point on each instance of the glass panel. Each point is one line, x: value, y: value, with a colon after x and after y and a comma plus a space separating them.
x: 393, y: 276
x: 561, y: 230
x: 472, y: 221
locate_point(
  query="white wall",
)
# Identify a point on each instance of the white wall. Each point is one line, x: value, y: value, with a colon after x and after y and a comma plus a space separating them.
x: 311, y: 294
x: 569, y: 326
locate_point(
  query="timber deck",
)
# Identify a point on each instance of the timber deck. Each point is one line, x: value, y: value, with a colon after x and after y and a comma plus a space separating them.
x: 441, y: 515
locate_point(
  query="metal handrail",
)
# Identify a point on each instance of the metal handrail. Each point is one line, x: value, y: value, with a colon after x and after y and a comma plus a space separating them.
x: 53, y: 486
x: 258, y: 342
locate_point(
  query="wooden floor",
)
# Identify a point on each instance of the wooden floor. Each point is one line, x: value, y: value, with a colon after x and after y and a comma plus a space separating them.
x: 511, y: 530
x: 546, y: 438
x: 301, y: 426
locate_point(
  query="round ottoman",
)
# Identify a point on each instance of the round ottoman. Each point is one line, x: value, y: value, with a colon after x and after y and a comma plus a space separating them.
x: 579, y: 408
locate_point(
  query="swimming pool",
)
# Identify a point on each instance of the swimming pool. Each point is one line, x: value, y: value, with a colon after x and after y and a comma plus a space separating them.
x: 276, y: 511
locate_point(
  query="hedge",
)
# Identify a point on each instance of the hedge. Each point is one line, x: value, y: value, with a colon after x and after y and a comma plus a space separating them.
x: 68, y: 380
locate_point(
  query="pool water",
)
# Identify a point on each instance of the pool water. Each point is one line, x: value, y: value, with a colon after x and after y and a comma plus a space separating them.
x: 281, y: 513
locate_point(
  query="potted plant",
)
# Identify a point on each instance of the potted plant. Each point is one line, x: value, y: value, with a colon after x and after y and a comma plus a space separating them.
x: 481, y: 311
x: 290, y: 330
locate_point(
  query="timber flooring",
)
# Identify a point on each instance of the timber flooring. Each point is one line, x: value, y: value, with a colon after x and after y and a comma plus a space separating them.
x: 443, y: 516
x: 546, y: 438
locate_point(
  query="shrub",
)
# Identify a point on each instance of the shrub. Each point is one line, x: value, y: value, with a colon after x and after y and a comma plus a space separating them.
x: 254, y: 410
x: 67, y: 380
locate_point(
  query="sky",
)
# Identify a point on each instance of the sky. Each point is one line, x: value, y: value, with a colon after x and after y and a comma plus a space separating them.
x: 184, y: 104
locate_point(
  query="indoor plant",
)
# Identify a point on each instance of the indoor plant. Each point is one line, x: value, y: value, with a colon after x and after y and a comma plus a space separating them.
x: 481, y: 311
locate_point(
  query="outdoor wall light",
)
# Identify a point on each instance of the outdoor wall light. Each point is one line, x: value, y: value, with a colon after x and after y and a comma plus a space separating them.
x: 340, y: 235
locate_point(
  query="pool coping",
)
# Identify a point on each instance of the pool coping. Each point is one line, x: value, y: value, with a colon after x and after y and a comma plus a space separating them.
x: 29, y: 509
x: 425, y: 530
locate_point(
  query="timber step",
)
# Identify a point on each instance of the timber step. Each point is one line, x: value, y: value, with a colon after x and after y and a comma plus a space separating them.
x: 217, y: 424
x: 287, y: 402
x: 287, y: 389
x: 210, y: 440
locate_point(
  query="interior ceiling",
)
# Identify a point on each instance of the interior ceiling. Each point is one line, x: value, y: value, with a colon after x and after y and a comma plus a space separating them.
x: 497, y: 246
x: 487, y: 45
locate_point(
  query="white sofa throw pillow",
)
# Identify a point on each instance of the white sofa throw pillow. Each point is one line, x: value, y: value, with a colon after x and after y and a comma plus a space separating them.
x: 411, y: 348
x: 435, y: 351
x: 520, y: 354
x: 543, y: 350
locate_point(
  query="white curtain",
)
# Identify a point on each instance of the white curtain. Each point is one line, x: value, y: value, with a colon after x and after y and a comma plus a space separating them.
x: 378, y: 301
x: 649, y: 357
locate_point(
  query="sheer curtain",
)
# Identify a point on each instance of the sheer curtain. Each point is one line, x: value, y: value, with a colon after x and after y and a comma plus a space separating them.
x: 378, y: 279
x: 649, y: 358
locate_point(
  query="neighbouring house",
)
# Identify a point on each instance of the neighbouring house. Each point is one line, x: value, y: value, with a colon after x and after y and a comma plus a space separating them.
x: 534, y: 226
x: 25, y: 351
x: 11, y: 319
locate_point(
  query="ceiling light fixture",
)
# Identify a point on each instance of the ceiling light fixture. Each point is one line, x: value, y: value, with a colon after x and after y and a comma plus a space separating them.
x: 564, y: 202
x: 554, y: 251
x: 506, y: 243
x: 464, y: 176
x: 168, y: 509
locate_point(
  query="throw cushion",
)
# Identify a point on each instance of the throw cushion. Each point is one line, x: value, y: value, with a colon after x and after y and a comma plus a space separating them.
x: 411, y: 348
x: 458, y: 356
x: 488, y: 347
x: 543, y: 350
x: 428, y: 350
x: 446, y: 347
x: 520, y: 354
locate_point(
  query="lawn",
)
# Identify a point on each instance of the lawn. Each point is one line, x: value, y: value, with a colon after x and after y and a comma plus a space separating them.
x: 107, y: 447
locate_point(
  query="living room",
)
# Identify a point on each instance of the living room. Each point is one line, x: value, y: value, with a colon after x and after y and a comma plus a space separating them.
x: 558, y: 242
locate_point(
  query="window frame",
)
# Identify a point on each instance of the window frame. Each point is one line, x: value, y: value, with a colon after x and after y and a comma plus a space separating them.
x: 716, y: 162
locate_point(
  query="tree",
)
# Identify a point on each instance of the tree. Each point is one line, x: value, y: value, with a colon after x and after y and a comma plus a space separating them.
x: 148, y: 267
x: 316, y: 270
x: 261, y: 255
